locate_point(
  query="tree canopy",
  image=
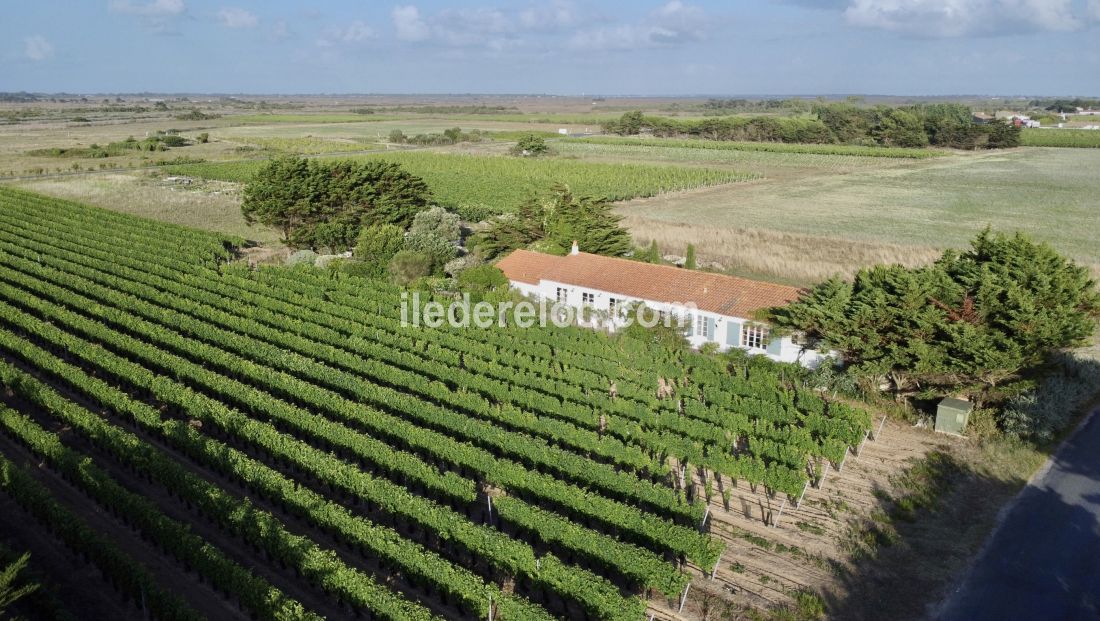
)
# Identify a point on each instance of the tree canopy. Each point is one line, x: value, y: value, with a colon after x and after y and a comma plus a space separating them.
x: 942, y: 124
x: 554, y: 226
x: 324, y: 204
x: 970, y: 322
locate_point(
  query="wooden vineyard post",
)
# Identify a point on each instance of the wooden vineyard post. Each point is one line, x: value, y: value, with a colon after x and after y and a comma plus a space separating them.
x: 684, y: 598
x: 714, y: 572
x: 860, y: 449
x: 824, y: 472
x: 703, y: 524
x: 840, y: 466
x: 880, y: 425
x: 798, y: 502
x: 489, y: 502
x: 490, y: 608
x: 775, y: 520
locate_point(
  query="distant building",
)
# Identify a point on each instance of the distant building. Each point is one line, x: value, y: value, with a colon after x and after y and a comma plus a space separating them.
x: 714, y: 308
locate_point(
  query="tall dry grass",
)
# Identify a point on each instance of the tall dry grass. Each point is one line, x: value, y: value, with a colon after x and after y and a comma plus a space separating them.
x: 789, y: 257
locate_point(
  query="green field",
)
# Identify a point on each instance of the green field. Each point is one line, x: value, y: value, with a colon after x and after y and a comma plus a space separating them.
x: 250, y: 423
x: 500, y: 183
x: 309, y: 118
x: 1037, y: 137
x: 1050, y: 194
x: 772, y: 147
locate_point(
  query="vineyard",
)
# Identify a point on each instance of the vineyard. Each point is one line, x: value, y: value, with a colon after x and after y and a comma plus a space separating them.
x: 1081, y: 138
x: 769, y: 147
x: 503, y: 183
x: 292, y: 452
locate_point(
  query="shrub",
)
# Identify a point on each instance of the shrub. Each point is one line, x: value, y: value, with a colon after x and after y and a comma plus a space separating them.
x: 1039, y: 415
x: 436, y: 221
x: 376, y: 246
x: 407, y: 266
x: 437, y: 249
x: 302, y: 257
x: 475, y: 212
x: 531, y: 145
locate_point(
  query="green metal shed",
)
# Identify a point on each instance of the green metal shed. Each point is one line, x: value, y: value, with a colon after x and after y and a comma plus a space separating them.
x: 952, y: 415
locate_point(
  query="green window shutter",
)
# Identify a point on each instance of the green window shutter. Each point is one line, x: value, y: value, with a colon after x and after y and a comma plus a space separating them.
x: 733, y: 334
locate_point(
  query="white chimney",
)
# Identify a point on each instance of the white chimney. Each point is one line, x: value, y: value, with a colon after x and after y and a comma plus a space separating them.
x: 575, y: 249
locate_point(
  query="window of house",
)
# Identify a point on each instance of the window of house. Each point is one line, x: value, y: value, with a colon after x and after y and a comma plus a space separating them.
x: 702, y: 327
x: 562, y: 295
x: 588, y: 299
x: 612, y: 306
x: 754, y: 336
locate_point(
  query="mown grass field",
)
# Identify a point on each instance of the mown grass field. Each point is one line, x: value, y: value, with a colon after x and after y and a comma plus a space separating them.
x: 501, y: 184
x: 1048, y: 193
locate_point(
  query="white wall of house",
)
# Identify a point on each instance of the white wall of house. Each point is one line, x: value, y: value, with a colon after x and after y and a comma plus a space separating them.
x: 706, y: 327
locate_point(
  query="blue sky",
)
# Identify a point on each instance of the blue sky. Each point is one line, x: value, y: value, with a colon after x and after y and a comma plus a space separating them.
x: 902, y: 47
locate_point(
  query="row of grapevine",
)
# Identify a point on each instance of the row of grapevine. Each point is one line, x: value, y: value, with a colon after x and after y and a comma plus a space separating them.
x: 118, y: 568
x: 470, y: 592
x: 508, y: 555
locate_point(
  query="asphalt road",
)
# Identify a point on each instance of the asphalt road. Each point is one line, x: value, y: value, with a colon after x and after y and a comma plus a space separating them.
x: 1043, y: 562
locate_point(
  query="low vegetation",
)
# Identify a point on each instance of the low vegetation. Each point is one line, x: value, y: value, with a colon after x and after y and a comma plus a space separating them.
x: 1080, y: 138
x: 480, y: 186
x: 772, y: 147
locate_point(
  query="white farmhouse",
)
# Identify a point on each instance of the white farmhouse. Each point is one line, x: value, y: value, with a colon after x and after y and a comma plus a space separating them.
x: 715, y: 308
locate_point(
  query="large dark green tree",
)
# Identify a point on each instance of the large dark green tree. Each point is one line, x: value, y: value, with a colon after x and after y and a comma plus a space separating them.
x: 554, y: 225
x: 968, y: 323
x: 324, y: 204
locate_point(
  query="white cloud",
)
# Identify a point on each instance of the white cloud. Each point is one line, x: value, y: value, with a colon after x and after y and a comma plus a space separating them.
x: 232, y: 17
x: 280, y: 30
x: 492, y: 28
x: 956, y: 18
x: 1093, y: 10
x: 674, y: 23
x: 558, y: 14
x: 410, y: 26
x: 37, y: 48
x: 157, y: 16
x: 355, y: 32
x: 154, y: 8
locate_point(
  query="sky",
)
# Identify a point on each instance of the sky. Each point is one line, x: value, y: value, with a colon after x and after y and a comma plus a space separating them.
x: 619, y: 47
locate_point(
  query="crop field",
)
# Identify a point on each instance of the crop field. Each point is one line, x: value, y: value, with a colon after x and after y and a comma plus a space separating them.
x: 771, y: 147
x: 1080, y: 138
x: 308, y: 145
x: 289, y: 451
x: 503, y: 183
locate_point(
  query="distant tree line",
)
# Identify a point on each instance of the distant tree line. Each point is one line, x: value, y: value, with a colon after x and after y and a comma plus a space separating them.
x: 1065, y: 105
x: 450, y: 136
x: 943, y: 124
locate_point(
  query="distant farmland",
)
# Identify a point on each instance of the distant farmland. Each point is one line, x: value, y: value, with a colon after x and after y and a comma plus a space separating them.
x: 503, y: 183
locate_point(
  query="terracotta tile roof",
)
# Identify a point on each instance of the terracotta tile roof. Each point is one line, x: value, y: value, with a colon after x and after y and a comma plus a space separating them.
x: 716, y: 293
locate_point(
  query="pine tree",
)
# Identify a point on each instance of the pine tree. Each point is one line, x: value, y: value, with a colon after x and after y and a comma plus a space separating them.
x: 689, y: 260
